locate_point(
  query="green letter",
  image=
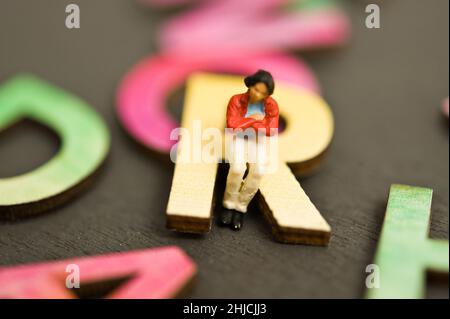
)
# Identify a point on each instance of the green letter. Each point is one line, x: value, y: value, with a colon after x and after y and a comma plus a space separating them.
x: 84, y: 137
x: 405, y: 252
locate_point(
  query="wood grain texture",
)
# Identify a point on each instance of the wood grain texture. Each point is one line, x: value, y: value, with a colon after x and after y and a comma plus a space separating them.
x: 84, y: 140
x: 292, y: 216
x: 190, y: 204
x: 308, y: 132
x: 404, y: 251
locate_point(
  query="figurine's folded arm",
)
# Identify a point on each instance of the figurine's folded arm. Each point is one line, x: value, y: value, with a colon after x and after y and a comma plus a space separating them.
x: 235, y: 120
x: 270, y: 121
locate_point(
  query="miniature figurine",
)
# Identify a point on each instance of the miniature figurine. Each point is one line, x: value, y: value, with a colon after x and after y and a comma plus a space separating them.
x: 252, y: 116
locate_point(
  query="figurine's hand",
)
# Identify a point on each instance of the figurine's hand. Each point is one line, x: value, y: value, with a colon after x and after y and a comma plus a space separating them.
x: 258, y: 117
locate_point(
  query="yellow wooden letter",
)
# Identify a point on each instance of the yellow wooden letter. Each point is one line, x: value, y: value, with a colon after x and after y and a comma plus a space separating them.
x: 309, y: 130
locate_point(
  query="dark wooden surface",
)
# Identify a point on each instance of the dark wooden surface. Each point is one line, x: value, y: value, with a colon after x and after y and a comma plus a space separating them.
x: 385, y: 88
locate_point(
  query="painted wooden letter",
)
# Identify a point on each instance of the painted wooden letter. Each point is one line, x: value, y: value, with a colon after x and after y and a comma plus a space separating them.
x: 84, y: 145
x: 309, y: 130
x: 145, y: 274
x: 404, y: 251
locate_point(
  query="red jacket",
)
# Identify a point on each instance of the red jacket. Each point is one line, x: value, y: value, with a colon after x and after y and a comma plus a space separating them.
x: 237, y: 108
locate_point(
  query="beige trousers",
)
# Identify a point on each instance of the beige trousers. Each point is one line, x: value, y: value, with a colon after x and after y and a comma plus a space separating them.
x: 241, y: 151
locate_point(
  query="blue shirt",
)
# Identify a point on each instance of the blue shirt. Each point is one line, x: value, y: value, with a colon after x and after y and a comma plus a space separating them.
x: 255, y: 108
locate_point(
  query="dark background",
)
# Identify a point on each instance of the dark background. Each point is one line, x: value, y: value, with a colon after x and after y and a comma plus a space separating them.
x: 385, y: 89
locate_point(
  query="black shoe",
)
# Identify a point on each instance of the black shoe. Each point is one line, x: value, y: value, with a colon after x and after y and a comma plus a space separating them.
x: 226, y: 217
x: 238, y: 220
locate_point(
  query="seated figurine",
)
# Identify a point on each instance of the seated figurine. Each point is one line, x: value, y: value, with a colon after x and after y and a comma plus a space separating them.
x: 252, y: 117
